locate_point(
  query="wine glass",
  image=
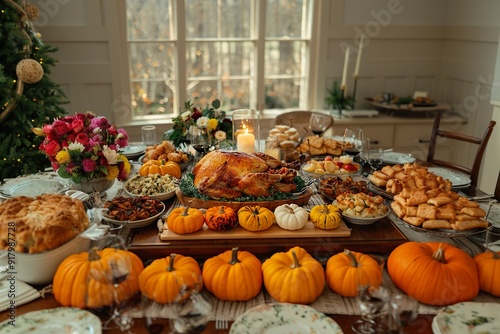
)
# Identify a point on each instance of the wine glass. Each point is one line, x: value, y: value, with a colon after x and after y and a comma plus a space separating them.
x: 319, y: 123
x: 201, y: 142
x: 376, y: 158
x: 364, y: 153
x: 352, y: 141
x: 373, y: 302
x: 403, y: 310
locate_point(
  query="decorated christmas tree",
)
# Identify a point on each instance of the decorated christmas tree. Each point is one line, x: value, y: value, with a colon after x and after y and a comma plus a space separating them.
x: 28, y: 98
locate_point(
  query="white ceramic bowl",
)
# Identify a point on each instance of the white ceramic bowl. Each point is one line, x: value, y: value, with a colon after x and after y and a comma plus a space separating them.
x: 135, y: 223
x: 39, y: 268
x: 363, y: 221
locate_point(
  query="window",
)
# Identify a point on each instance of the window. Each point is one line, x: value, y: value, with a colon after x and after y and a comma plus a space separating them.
x: 247, y: 53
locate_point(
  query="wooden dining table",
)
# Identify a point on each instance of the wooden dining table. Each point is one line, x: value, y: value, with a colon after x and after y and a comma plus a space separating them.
x: 380, y: 238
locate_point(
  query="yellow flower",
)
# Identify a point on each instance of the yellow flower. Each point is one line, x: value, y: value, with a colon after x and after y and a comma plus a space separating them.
x: 212, y: 124
x: 126, y: 164
x: 63, y: 157
x: 112, y: 172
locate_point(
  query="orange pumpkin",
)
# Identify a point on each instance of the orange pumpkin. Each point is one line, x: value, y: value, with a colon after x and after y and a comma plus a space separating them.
x: 346, y: 271
x: 161, y: 167
x: 488, y: 267
x: 233, y: 275
x: 85, y: 280
x: 293, y: 277
x: 184, y: 220
x: 164, y: 279
x: 255, y: 218
x: 434, y: 273
x: 221, y: 218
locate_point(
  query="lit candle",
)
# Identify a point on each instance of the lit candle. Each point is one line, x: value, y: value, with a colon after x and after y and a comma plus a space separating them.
x: 245, y: 142
x: 358, y: 60
x: 344, y: 73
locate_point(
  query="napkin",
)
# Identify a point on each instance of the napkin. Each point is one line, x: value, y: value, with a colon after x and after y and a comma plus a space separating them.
x: 15, y: 292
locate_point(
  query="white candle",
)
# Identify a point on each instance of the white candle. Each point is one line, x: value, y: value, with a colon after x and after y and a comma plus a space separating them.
x: 245, y: 142
x: 344, y: 72
x: 358, y: 60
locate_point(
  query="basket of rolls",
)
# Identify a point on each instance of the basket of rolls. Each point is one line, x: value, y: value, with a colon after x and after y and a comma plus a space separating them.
x: 166, y: 151
x: 426, y: 202
x: 38, y: 233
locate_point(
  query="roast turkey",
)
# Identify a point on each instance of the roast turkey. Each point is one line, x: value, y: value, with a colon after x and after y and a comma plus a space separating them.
x: 230, y: 174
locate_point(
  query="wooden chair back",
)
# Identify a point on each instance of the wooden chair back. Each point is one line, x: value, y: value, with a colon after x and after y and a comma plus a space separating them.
x: 497, y: 188
x: 481, y: 143
x: 298, y: 119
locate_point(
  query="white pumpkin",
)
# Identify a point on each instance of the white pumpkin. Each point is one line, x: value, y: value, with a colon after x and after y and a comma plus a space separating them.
x: 291, y: 216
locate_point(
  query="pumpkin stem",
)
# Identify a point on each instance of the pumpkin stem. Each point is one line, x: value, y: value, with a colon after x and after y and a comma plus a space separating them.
x: 325, y: 208
x: 289, y: 208
x: 439, y: 255
x: 93, y: 255
x: 354, y: 261
x: 234, y: 256
x: 221, y: 211
x: 186, y: 209
x: 296, y: 263
x: 170, y: 267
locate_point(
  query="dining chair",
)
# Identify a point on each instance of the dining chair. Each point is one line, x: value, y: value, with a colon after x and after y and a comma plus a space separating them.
x: 299, y: 119
x: 497, y: 188
x: 481, y: 143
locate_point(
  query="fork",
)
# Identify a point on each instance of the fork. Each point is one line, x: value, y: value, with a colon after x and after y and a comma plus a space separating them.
x: 221, y: 324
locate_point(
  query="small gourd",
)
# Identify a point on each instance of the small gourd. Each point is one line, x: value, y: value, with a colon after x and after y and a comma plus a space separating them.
x: 221, y: 218
x: 184, y: 220
x: 164, y: 279
x: 326, y: 216
x: 488, y: 268
x: 291, y: 216
x: 161, y: 167
x: 233, y: 275
x: 293, y: 277
x: 346, y: 271
x: 255, y: 218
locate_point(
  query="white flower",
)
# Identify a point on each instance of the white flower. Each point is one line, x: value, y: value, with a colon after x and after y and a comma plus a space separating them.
x: 220, y: 135
x: 202, y: 122
x: 76, y: 146
x: 110, y: 155
x: 185, y: 115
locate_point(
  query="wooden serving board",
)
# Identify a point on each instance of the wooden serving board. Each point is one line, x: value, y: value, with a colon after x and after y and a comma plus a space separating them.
x: 274, y: 232
x: 199, y: 203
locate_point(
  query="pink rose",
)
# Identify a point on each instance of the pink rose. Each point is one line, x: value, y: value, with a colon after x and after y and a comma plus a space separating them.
x: 77, y: 126
x: 51, y: 148
x: 61, y: 128
x: 47, y: 128
x: 82, y: 138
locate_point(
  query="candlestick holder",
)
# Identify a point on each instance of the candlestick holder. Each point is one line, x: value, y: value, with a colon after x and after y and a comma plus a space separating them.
x: 246, y: 130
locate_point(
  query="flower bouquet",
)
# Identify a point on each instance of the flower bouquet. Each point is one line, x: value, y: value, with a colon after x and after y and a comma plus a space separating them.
x: 85, y: 147
x: 217, y: 125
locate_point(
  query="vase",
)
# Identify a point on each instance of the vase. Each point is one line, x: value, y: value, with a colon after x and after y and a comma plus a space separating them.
x: 99, y: 184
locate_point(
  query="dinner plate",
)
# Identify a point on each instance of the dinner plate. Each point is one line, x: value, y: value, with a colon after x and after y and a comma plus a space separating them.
x: 134, y: 150
x: 398, y: 158
x: 135, y: 223
x: 56, y: 320
x: 457, y: 179
x: 280, y: 318
x: 442, y: 232
x: 468, y: 317
x: 33, y: 185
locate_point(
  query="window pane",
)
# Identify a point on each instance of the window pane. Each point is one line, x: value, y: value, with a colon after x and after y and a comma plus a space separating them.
x: 236, y: 94
x: 284, y: 58
x: 152, y: 98
x: 149, y: 19
x: 220, y: 58
x: 286, y: 18
x: 282, y: 93
x: 152, y: 61
x: 204, y: 19
x: 204, y: 91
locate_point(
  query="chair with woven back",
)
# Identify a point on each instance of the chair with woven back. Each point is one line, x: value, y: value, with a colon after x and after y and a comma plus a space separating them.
x: 481, y: 143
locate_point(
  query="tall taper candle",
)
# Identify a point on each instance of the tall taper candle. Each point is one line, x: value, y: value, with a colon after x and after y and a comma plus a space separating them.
x: 358, y: 60
x: 344, y: 72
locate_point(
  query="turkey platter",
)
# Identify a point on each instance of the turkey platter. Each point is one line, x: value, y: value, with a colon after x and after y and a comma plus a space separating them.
x: 230, y: 174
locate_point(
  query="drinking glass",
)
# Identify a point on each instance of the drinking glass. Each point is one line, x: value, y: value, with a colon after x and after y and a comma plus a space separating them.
x: 492, y: 241
x: 352, y: 141
x: 403, y: 310
x: 364, y: 153
x: 149, y: 135
x: 201, y: 142
x: 318, y: 123
x: 376, y: 158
